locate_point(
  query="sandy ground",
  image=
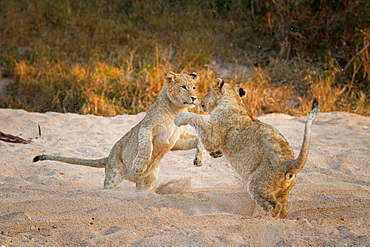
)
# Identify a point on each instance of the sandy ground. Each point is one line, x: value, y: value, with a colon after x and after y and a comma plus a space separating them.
x: 54, y: 204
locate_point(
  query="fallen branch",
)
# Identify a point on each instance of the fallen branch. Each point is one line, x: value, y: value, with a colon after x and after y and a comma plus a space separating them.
x: 355, y: 56
x: 14, y: 139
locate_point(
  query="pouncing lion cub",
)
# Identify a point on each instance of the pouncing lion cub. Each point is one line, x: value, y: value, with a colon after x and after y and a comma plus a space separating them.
x: 257, y: 151
x: 137, y: 154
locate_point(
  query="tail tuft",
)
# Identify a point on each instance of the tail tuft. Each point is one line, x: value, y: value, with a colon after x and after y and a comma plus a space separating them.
x: 315, y: 103
x: 37, y: 158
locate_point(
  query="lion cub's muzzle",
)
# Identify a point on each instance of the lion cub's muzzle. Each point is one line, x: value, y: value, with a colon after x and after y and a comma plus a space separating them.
x: 192, y: 102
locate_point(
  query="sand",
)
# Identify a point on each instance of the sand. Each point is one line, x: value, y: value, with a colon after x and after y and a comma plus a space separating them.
x: 54, y: 204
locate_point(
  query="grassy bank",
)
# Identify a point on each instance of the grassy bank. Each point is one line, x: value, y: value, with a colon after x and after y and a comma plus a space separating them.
x: 107, y: 57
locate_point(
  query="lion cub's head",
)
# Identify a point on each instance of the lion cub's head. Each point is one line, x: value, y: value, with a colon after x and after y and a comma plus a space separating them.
x: 182, y: 89
x: 221, y: 91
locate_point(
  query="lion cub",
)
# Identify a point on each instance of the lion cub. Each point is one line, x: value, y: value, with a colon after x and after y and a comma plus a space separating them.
x: 137, y: 154
x: 257, y: 151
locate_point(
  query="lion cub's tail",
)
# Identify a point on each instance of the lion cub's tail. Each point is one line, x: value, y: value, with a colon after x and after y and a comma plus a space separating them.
x: 99, y: 163
x: 298, y: 163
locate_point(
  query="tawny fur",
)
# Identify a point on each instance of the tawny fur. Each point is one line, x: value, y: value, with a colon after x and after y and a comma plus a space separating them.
x: 137, y: 154
x: 257, y: 151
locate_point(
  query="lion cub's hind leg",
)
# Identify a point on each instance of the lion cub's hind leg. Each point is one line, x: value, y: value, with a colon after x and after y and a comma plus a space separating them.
x: 113, y: 177
x: 272, y: 195
x: 282, y: 195
x: 267, y: 201
x: 150, y: 180
x: 114, y: 167
x: 145, y: 184
x: 263, y: 192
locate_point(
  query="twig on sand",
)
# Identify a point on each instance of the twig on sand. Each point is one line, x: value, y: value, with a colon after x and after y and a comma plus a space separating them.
x: 10, y: 138
x: 15, y: 139
x: 38, y: 125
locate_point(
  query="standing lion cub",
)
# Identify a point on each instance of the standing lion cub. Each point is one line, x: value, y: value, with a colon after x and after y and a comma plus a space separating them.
x: 137, y: 154
x: 257, y: 151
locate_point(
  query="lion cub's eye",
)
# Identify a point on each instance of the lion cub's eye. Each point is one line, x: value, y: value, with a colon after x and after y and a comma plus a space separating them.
x: 194, y: 88
x: 185, y: 87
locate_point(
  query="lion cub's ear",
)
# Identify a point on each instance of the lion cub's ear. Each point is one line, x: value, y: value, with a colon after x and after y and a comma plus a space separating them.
x: 218, y: 83
x: 241, y: 91
x: 195, y: 76
x: 170, y: 76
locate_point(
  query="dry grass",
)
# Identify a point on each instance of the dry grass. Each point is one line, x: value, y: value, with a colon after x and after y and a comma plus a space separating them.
x: 97, y: 88
x: 284, y: 88
x: 108, y: 57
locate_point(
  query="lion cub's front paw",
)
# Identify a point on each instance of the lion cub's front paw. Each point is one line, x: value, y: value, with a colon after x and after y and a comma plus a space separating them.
x: 181, y: 118
x: 197, y: 162
x: 216, y: 154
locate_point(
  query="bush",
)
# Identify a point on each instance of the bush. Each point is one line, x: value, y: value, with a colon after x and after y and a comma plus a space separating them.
x: 107, y: 57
